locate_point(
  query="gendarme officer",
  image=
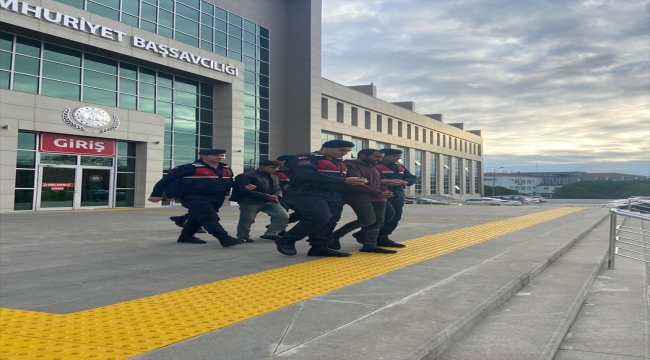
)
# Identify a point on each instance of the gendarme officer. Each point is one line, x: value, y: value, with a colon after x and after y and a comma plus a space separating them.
x: 204, y: 186
x: 316, y: 184
x: 398, y: 178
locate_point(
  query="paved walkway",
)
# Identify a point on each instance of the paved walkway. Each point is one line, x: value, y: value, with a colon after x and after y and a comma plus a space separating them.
x: 115, y: 284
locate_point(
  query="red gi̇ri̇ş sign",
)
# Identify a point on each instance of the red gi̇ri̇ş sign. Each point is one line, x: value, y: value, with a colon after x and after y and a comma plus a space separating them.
x: 78, y: 145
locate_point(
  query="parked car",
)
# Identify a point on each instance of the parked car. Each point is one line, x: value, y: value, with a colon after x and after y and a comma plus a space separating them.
x: 635, y: 203
x: 514, y: 200
x: 426, y: 201
x: 487, y: 201
x: 537, y: 199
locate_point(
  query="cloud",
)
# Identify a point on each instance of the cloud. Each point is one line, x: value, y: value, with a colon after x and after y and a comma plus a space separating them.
x: 548, y: 81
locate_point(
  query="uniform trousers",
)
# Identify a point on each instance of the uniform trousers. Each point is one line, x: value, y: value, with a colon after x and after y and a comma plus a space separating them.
x: 320, y: 212
x: 394, y: 207
x: 203, y: 212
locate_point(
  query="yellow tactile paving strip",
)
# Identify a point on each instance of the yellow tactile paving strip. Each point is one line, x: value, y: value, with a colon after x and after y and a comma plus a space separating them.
x: 124, y: 330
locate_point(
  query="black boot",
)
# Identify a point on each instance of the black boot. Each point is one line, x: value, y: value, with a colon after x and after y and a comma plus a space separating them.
x: 358, y: 236
x: 230, y: 241
x: 286, y: 247
x: 325, y: 251
x: 386, y: 242
x: 190, y: 239
x: 335, y: 243
x: 178, y: 220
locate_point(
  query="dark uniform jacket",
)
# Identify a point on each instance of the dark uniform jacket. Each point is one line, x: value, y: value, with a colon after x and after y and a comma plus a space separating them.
x: 399, y: 172
x: 266, y: 184
x: 371, y: 191
x: 195, y: 179
x: 314, y: 172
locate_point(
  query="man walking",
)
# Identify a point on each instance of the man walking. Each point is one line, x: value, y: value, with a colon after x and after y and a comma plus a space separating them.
x: 204, y: 186
x: 284, y: 175
x: 397, y: 178
x: 315, y: 191
x: 368, y: 201
x: 264, y: 198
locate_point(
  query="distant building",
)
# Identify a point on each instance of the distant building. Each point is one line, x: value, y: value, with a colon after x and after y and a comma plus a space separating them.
x: 545, y: 183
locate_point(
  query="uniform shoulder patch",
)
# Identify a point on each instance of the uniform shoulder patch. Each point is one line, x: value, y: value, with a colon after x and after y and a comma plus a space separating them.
x: 303, y: 162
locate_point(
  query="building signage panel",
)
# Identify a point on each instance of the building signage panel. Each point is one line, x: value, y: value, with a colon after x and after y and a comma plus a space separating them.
x: 77, y: 145
x: 86, y: 26
x: 57, y: 186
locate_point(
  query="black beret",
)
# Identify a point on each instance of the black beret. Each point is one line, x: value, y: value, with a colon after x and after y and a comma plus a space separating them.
x: 284, y: 157
x: 212, y: 151
x: 392, y: 151
x: 338, y: 144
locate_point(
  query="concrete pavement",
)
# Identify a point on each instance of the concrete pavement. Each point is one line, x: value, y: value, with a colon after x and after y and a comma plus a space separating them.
x: 71, y: 262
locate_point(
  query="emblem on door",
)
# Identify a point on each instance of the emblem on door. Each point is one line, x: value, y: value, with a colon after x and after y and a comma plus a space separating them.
x: 95, y: 178
x: 91, y: 119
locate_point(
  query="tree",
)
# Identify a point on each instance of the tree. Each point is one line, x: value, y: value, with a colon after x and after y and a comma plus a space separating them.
x: 601, y: 189
x: 499, y: 190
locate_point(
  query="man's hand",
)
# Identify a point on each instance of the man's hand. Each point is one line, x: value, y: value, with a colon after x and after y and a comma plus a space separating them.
x: 171, y: 199
x: 250, y: 187
x: 386, y: 194
x: 355, y: 181
x: 285, y: 187
x: 272, y: 198
x: 154, y: 199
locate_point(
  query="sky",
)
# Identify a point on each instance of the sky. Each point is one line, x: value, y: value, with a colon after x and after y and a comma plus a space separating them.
x: 555, y: 85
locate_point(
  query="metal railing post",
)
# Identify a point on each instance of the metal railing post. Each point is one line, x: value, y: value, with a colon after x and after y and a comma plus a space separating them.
x: 612, y: 240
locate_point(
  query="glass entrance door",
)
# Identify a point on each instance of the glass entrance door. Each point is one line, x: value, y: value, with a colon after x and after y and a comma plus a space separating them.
x: 95, y: 187
x: 57, y: 187
x: 74, y: 187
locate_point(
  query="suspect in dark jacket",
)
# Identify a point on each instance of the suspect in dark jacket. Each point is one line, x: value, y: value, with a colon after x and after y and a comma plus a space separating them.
x: 264, y: 198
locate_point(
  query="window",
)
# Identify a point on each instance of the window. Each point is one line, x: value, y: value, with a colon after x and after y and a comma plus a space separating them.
x: 327, y: 136
x: 455, y: 144
x: 444, y: 141
x: 437, y: 139
x: 390, y: 126
x: 417, y: 171
x: 433, y: 173
x: 367, y: 119
x: 424, y: 135
x: 467, y: 171
x: 381, y: 145
x: 446, y: 163
x: 355, y: 116
x: 125, y: 179
x: 339, y: 112
x: 323, y: 108
x: 25, y: 171
x: 458, y: 166
x: 417, y: 133
x: 399, y: 128
x: 408, y: 131
x: 477, y: 173
x: 359, y: 144
x: 380, y: 124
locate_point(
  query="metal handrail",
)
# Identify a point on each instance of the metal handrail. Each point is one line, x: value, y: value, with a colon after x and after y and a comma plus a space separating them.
x: 613, y: 228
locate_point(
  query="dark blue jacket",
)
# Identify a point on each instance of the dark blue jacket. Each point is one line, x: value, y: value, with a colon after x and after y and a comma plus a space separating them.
x: 313, y: 171
x: 197, y: 178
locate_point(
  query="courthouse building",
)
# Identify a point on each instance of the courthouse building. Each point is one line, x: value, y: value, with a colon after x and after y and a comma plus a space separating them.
x: 98, y: 98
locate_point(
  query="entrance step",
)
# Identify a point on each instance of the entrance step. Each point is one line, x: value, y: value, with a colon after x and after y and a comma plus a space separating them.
x: 533, y: 323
